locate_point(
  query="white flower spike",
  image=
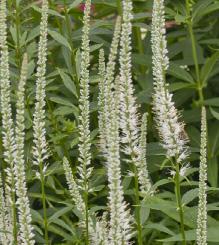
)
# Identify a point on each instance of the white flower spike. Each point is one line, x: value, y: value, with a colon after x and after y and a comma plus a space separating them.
x: 171, y: 130
x: 106, y: 85
x: 143, y: 175
x: 40, y: 149
x: 84, y: 168
x: 23, y: 206
x: 73, y: 188
x: 6, y: 238
x: 129, y: 118
x: 101, y: 101
x: 120, y: 218
x: 7, y: 124
x: 202, y: 204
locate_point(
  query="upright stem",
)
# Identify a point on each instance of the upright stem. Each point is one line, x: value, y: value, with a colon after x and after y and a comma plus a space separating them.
x: 137, y: 198
x: 17, y: 22
x: 138, y: 209
x: 14, y: 211
x: 194, y: 52
x: 86, y: 218
x: 85, y: 197
x: 42, y: 179
x: 119, y: 7
x: 139, y: 45
x: 179, y: 203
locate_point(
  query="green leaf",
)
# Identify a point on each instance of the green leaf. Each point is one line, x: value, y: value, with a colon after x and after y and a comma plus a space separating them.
x: 213, y: 171
x: 180, y: 18
x: 213, y: 138
x: 169, y: 208
x: 178, y: 72
x: 177, y: 86
x: 50, y: 11
x: 95, y: 47
x: 36, y: 216
x: 141, y: 59
x: 60, y: 232
x: 65, y: 110
x: 159, y: 227
x: 74, y: 4
x: 211, y: 8
x: 60, y: 100
x: 142, y: 15
x: 69, y: 84
x: 78, y: 63
x: 206, y: 10
x: 155, y: 148
x: 144, y: 213
x: 30, y: 68
x: 208, y: 67
x: 212, y: 236
x: 199, y: 9
x: 62, y: 224
x: 144, y: 96
x: 212, y: 102
x: 214, y: 113
x: 189, y: 196
x: 51, y: 198
x: 59, y: 213
x: 192, y: 115
x: 35, y: 32
x: 59, y: 38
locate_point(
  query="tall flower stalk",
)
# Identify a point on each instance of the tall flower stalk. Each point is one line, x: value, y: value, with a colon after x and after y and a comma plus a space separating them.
x: 84, y: 168
x: 202, y: 205
x: 101, y: 101
x: 106, y: 85
x: 101, y: 231
x: 143, y: 175
x: 7, y: 121
x: 40, y: 149
x: 129, y: 118
x: 6, y: 237
x: 98, y: 233
x: 171, y: 130
x: 120, y: 218
x: 73, y: 188
x: 23, y: 207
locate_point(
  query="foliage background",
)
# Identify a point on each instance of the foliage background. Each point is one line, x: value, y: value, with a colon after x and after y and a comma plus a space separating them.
x: 159, y: 215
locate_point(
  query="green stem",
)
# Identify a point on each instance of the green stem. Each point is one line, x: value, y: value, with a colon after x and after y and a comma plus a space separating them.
x: 14, y: 211
x: 42, y: 179
x: 86, y: 217
x: 135, y: 171
x: 85, y: 196
x: 17, y: 22
x: 137, y: 196
x: 179, y: 203
x: 119, y: 7
x: 139, y: 45
x: 194, y: 53
x: 138, y: 208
